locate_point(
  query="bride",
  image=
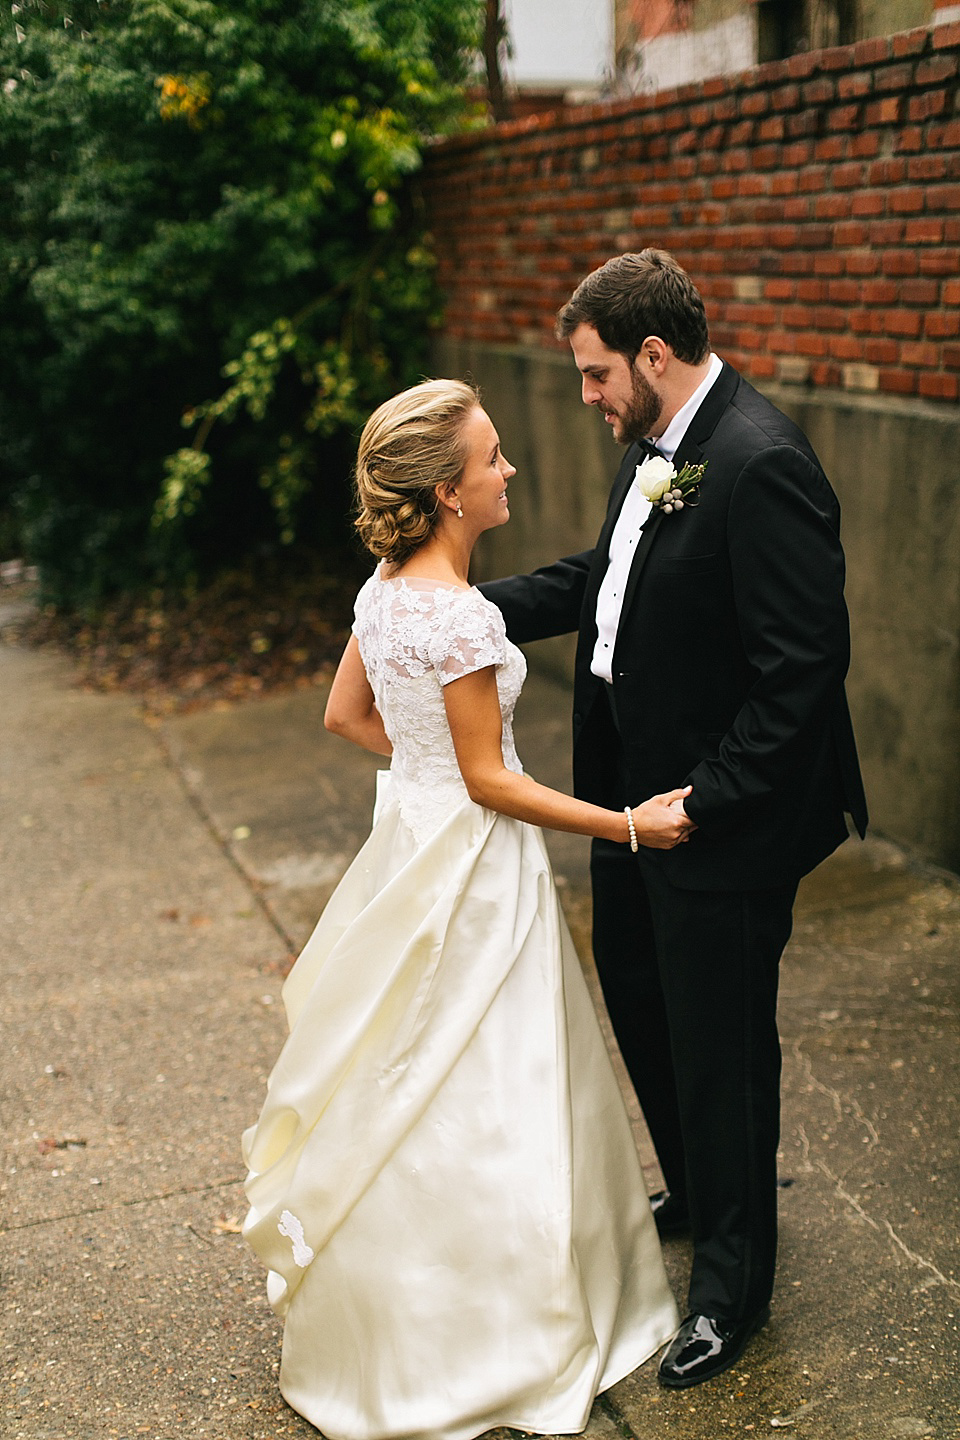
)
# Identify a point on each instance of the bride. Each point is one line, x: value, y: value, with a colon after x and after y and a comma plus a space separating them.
x: 443, y: 1182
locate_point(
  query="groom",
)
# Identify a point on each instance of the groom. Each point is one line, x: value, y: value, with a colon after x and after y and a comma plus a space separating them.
x: 713, y: 645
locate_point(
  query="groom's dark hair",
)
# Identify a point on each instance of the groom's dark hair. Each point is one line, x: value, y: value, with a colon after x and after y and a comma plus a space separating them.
x: 637, y: 295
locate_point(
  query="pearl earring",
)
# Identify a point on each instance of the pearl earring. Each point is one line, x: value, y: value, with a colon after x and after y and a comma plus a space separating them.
x: 459, y: 512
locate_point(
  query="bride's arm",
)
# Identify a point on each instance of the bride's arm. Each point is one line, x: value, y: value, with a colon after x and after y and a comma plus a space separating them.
x: 473, y: 712
x: 351, y: 711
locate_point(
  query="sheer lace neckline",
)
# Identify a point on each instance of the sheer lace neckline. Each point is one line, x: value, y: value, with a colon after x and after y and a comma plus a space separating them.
x: 423, y: 582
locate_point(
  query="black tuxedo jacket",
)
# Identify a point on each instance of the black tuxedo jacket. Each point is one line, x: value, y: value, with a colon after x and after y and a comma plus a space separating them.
x: 730, y: 657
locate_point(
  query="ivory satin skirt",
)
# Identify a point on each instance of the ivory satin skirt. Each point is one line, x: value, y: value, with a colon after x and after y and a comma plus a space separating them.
x: 443, y: 1182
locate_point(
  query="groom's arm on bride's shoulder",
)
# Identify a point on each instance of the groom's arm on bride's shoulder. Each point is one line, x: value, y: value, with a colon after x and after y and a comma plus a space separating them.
x: 544, y: 603
x: 787, y: 569
x: 351, y: 710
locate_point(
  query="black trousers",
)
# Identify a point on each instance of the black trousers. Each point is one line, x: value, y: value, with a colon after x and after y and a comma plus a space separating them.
x: 690, y: 981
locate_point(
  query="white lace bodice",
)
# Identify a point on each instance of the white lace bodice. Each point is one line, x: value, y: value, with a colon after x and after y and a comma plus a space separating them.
x: 415, y: 636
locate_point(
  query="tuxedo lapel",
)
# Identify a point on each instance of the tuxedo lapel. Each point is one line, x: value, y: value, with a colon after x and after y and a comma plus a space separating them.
x: 705, y: 421
x: 689, y: 452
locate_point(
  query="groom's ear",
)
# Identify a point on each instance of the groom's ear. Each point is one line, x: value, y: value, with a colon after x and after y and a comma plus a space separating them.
x: 653, y: 355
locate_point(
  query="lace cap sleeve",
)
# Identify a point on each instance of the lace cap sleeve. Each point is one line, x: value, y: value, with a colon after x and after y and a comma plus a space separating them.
x: 472, y: 636
x: 362, y: 604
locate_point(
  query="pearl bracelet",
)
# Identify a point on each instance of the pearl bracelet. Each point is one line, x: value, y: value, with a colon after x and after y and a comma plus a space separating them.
x: 634, y: 846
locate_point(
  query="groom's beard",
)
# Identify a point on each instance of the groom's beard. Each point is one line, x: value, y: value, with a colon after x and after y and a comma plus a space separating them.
x: 643, y: 412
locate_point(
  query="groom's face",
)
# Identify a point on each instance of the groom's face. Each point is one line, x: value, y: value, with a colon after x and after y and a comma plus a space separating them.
x: 630, y: 403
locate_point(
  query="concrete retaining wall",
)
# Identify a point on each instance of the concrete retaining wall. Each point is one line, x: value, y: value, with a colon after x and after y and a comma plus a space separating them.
x: 893, y: 464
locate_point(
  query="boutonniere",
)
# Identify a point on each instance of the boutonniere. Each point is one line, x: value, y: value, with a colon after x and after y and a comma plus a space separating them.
x: 668, y: 489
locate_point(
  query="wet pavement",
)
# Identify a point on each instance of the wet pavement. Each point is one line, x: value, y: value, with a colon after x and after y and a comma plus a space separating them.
x: 154, y: 880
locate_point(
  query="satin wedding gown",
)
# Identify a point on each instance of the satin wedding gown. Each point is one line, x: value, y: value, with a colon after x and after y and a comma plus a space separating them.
x: 443, y: 1181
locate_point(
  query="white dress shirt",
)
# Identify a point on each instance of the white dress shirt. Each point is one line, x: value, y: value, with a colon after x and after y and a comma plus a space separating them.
x: 626, y: 533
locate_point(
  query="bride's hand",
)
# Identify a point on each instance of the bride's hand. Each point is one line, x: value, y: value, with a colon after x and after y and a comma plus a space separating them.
x: 661, y: 822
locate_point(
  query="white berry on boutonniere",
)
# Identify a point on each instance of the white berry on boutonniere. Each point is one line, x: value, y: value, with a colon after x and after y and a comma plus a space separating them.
x: 668, y: 489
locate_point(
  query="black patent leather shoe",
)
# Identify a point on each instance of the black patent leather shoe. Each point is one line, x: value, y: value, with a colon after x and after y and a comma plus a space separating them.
x: 670, y: 1213
x: 703, y: 1347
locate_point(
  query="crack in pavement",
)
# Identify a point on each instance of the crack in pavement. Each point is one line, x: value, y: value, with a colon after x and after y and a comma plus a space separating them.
x: 196, y: 801
x: 807, y: 1066
x: 120, y: 1205
x: 804, y: 1148
x: 911, y: 1255
x: 811, y: 1163
x: 919, y: 1260
x: 615, y: 1415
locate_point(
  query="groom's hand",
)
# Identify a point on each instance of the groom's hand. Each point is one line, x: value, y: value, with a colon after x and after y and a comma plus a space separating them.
x: 661, y: 821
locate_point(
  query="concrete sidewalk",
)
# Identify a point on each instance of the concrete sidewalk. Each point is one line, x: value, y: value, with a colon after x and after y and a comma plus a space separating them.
x: 153, y: 881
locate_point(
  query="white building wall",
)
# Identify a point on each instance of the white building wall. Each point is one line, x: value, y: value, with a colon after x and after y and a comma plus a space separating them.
x: 560, y: 44
x: 690, y: 55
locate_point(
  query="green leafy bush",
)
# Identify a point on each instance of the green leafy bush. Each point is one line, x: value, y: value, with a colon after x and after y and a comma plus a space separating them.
x: 212, y: 266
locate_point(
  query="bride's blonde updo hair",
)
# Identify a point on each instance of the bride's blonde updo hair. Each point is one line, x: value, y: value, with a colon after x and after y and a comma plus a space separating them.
x: 409, y: 446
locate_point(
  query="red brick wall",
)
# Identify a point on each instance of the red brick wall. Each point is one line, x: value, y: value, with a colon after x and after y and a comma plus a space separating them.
x: 815, y: 201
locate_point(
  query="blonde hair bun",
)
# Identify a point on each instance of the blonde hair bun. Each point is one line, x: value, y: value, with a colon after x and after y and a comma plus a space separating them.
x: 409, y: 446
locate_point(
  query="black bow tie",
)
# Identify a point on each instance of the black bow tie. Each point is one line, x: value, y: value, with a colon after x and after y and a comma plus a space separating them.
x: 650, y: 450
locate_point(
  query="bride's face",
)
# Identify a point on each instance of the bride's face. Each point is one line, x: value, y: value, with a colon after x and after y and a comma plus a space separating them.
x: 482, y: 488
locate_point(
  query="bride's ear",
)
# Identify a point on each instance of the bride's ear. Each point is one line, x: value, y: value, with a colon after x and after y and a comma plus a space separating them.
x: 447, y: 497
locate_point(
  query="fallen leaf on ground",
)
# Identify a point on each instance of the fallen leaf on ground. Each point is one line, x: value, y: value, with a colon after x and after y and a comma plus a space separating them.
x: 187, y: 654
x: 223, y: 1226
x: 66, y: 1142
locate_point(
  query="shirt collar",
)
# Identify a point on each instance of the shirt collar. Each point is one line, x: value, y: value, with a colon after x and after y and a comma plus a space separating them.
x: 669, y: 442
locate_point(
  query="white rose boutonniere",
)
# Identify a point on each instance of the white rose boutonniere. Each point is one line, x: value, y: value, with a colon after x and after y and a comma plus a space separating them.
x: 666, y: 488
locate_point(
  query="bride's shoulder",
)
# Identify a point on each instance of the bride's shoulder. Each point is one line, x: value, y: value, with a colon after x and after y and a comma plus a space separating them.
x: 367, y: 594
x: 469, y: 635
x: 465, y: 604
x: 426, y: 594
x: 441, y: 607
